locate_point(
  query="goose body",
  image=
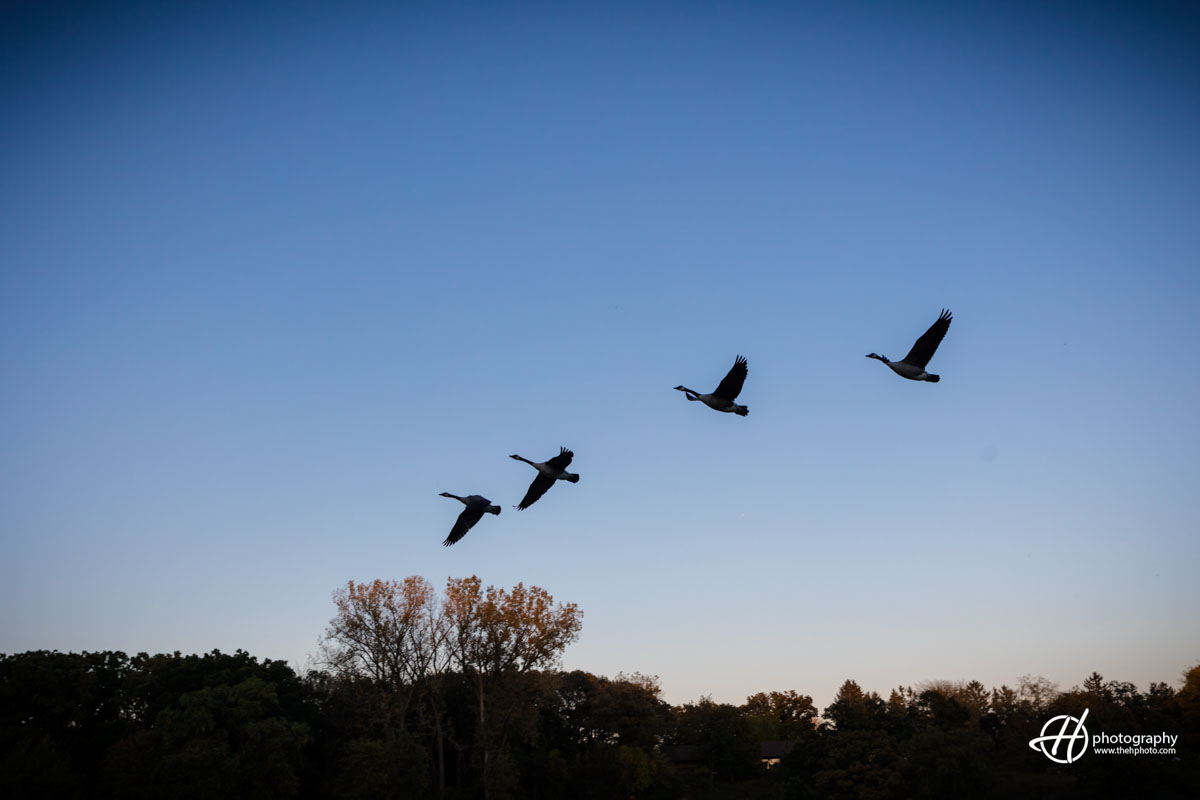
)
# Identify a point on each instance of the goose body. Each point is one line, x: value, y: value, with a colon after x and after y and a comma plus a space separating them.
x: 549, y: 471
x: 476, y: 507
x: 721, y: 398
x: 912, y: 366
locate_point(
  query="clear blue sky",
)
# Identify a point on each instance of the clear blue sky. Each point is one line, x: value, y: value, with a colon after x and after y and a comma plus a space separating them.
x: 273, y: 279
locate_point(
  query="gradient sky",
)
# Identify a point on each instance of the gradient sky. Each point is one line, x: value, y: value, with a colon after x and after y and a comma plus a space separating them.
x: 272, y: 279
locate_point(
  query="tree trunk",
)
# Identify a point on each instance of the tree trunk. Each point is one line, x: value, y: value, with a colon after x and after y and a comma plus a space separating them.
x: 483, y: 733
x: 441, y: 753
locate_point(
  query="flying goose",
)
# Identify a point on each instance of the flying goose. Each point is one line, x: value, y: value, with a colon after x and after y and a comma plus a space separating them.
x: 723, y: 396
x: 476, y: 507
x: 548, y: 472
x: 913, y: 365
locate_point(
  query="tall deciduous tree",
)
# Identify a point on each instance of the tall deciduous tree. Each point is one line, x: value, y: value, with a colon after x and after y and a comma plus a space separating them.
x: 396, y: 639
x: 384, y: 635
x: 494, y: 633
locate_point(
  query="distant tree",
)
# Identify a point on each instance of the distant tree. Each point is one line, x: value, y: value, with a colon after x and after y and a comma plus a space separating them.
x: 628, y: 711
x: 976, y: 699
x: 1188, y: 700
x: 792, y: 715
x: 902, y: 713
x: 36, y: 767
x: 941, y: 709
x: 372, y: 769
x: 109, y: 724
x: 580, y: 712
x: 567, y: 724
x: 725, y: 734
x: 599, y: 737
x: 947, y: 760
x: 217, y: 740
x: 859, y: 764
x: 60, y: 709
x: 1035, y: 694
x: 155, y: 682
x: 853, y: 709
x: 1096, y: 689
x: 1125, y: 694
x: 630, y: 769
x: 1161, y: 706
x: 1111, y: 705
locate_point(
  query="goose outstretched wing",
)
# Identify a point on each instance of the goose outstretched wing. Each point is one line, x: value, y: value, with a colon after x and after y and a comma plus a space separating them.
x: 562, y: 460
x: 927, y: 345
x: 731, y: 386
x: 466, y: 520
x: 538, y: 488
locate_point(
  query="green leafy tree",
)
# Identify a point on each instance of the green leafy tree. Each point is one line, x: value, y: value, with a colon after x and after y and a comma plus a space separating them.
x: 214, y: 741
x: 791, y: 715
x: 953, y: 761
x: 854, y: 709
x: 859, y: 763
x: 36, y: 767
x: 1188, y: 701
x: 603, y: 734
x: 62, y: 708
x: 373, y: 769
x: 942, y: 710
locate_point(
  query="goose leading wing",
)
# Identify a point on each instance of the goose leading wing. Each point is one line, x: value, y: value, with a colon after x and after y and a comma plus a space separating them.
x: 731, y: 386
x: 538, y: 488
x: 927, y: 345
x: 466, y: 520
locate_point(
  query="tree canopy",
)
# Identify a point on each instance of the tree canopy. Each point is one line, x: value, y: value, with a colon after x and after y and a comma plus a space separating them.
x: 458, y: 695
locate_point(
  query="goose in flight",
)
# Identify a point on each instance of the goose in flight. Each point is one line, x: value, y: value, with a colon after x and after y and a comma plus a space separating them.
x: 913, y: 364
x: 723, y: 396
x: 476, y: 507
x: 548, y: 472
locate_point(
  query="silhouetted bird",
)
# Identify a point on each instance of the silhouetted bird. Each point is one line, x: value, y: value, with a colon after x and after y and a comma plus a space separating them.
x: 476, y: 507
x: 913, y: 364
x: 548, y: 472
x: 723, y: 396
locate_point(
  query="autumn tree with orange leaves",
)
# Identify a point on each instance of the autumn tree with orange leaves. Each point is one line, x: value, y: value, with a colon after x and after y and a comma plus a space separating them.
x: 383, y: 642
x: 493, y: 634
x: 393, y: 640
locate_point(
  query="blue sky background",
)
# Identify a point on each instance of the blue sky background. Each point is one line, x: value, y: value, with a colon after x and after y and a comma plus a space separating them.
x: 272, y: 278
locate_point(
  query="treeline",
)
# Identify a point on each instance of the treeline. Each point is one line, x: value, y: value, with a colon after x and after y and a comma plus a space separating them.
x: 456, y: 695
